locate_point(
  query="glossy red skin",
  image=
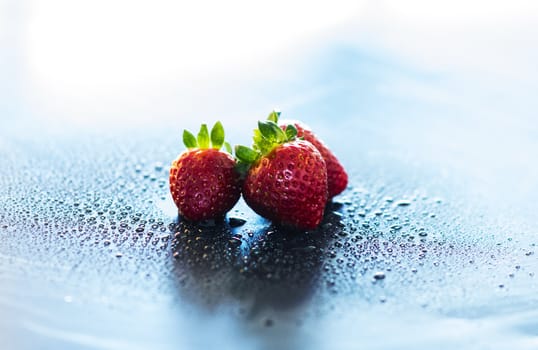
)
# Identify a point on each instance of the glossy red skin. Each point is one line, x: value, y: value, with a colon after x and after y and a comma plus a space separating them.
x: 289, y: 185
x: 204, y: 184
x: 337, y: 178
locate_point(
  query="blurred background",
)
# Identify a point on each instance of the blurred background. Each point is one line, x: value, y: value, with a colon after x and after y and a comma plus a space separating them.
x: 433, y: 102
x: 447, y: 73
x: 88, y: 63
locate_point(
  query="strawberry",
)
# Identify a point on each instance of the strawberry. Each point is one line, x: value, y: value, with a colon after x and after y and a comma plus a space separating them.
x: 286, y: 178
x: 336, y: 175
x: 203, y: 180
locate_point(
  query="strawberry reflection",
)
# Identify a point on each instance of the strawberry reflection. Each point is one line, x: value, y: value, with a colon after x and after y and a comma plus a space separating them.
x: 260, y: 266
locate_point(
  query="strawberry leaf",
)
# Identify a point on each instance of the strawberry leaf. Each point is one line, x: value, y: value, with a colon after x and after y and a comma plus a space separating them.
x: 189, y: 140
x: 217, y: 135
x: 203, y: 137
x: 291, y: 131
x: 228, y: 147
x: 268, y: 135
x: 274, y: 115
x: 245, y: 154
x: 261, y: 143
x: 272, y: 132
x: 267, y: 131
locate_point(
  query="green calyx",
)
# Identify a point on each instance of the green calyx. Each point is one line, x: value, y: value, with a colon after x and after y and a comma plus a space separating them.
x: 274, y: 116
x: 267, y: 136
x: 205, y: 139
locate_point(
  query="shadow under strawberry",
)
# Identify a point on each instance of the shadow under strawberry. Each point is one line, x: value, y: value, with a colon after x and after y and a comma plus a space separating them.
x: 258, y: 266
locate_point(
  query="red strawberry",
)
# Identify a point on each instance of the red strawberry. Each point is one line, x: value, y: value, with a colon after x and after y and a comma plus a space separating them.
x: 336, y: 175
x: 286, y: 180
x: 203, y: 180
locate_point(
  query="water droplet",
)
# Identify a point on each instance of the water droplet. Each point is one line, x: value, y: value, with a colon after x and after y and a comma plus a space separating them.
x: 403, y: 202
x: 236, y: 222
x: 158, y: 166
x: 379, y: 275
x: 235, y: 241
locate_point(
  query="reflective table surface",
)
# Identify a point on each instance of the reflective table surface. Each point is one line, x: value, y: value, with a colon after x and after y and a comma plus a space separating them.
x: 432, y: 111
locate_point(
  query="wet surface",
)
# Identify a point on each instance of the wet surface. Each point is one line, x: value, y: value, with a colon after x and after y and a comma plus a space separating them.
x: 94, y: 256
x: 433, y: 244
